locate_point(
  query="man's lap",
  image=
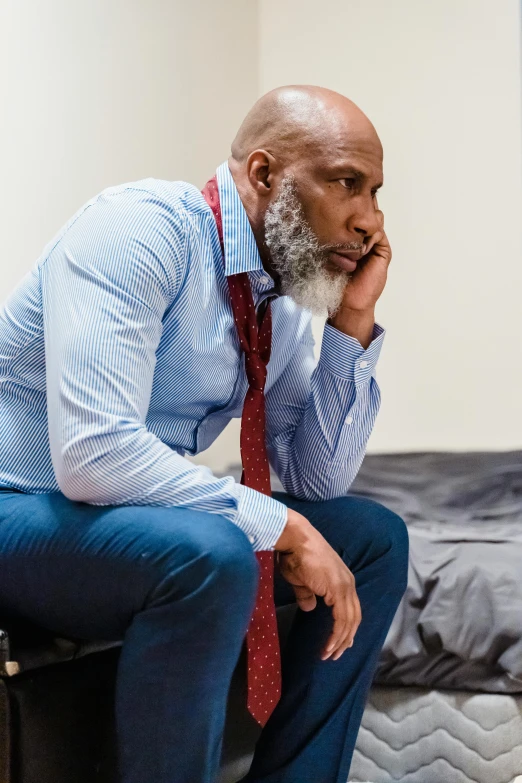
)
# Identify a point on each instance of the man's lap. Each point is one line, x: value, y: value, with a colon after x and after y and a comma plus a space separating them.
x: 52, y: 549
x: 96, y: 565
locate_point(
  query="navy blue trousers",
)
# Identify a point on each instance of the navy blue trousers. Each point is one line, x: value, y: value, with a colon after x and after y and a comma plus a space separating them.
x: 178, y: 587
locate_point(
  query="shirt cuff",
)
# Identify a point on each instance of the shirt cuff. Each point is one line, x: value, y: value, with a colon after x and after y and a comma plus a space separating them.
x: 344, y: 356
x: 260, y: 517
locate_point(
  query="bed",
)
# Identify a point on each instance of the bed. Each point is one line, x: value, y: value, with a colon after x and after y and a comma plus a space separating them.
x: 446, y: 702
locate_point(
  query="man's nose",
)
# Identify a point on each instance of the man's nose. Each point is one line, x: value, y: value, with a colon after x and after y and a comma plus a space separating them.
x: 366, y: 220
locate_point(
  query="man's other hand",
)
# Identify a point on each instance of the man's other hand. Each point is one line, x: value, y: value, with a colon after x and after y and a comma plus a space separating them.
x: 312, y: 567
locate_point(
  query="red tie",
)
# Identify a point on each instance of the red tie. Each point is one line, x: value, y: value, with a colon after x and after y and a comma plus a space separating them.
x: 264, y: 664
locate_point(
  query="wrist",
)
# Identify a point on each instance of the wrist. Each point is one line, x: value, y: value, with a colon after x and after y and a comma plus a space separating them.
x: 295, y: 532
x: 355, y: 323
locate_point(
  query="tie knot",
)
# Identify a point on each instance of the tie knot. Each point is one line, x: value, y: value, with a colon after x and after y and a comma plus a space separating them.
x: 255, y: 370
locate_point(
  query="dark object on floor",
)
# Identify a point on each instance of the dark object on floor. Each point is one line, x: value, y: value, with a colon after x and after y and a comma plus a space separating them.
x: 56, y: 698
x: 57, y: 707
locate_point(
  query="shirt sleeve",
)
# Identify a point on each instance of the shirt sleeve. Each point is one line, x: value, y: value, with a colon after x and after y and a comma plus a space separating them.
x: 106, y: 286
x: 320, y: 415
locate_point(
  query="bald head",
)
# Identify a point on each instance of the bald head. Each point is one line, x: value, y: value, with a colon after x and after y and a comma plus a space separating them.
x: 301, y: 120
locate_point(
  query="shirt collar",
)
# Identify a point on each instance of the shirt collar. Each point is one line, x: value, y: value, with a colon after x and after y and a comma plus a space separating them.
x: 241, y: 253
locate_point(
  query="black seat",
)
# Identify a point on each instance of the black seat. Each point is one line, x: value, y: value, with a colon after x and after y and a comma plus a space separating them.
x: 57, y: 707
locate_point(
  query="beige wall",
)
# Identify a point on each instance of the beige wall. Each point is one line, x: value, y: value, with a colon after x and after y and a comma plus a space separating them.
x: 112, y: 91
x: 98, y: 93
x: 441, y: 82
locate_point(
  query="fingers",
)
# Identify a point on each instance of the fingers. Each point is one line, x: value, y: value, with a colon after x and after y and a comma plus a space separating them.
x: 339, y: 630
x: 374, y: 240
x: 378, y: 212
x: 346, y: 612
x: 379, y: 235
x: 378, y: 249
x: 352, y: 631
x: 305, y: 598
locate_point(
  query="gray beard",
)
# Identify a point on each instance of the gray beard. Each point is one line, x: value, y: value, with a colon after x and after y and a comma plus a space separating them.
x: 297, y: 256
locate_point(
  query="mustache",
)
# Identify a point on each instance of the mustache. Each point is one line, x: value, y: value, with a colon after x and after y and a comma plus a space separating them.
x: 348, y: 246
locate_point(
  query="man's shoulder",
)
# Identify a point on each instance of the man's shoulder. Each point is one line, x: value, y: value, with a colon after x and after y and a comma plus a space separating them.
x: 148, y: 208
x: 176, y: 194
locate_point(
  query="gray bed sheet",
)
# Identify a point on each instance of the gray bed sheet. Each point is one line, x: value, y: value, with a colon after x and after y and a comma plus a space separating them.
x: 459, y: 624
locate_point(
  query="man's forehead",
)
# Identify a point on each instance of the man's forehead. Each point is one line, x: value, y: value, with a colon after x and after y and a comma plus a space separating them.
x: 343, y: 144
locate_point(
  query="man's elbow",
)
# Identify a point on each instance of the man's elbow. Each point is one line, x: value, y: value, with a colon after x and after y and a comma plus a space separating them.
x: 317, y: 487
x: 83, y: 486
x: 301, y: 489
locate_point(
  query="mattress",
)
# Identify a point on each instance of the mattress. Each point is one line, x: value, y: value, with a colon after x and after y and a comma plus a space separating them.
x: 418, y: 735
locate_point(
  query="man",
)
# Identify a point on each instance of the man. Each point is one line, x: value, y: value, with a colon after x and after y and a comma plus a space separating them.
x: 119, y: 353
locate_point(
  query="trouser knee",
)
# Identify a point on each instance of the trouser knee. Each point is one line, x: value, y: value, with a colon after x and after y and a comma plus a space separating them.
x: 221, y: 569
x: 397, y: 542
x: 390, y: 541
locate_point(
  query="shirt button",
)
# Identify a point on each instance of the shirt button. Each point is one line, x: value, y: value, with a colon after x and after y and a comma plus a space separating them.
x: 363, y: 365
x: 348, y: 419
x: 251, y: 539
x: 264, y: 280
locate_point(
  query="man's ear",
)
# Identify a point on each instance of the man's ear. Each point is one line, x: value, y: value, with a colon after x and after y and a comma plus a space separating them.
x: 260, y: 171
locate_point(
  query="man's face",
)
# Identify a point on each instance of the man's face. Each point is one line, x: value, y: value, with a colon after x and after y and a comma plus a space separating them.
x: 320, y: 222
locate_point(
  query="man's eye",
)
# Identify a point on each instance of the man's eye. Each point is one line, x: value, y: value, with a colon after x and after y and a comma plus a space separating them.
x: 348, y: 183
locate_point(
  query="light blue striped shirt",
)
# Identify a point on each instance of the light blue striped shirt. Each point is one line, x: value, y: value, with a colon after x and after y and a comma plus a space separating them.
x: 119, y: 355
